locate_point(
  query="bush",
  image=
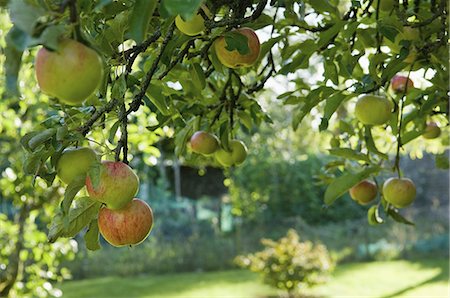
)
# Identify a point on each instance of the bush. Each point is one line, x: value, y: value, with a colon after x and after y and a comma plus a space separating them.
x: 289, y: 264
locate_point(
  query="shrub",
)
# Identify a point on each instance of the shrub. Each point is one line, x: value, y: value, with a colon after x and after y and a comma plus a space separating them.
x: 289, y: 264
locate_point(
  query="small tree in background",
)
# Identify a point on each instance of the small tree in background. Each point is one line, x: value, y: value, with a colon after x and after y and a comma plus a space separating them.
x: 288, y: 264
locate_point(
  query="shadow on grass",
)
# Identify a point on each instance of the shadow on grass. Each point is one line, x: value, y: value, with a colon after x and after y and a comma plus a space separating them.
x: 443, y: 275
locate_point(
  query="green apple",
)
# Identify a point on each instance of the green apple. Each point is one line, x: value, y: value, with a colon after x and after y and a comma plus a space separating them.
x: 128, y: 226
x: 117, y: 185
x: 75, y: 162
x: 193, y: 26
x: 236, y: 155
x: 432, y: 131
x: 72, y: 73
x: 364, y: 192
x: 400, y: 192
x: 399, y: 83
x: 234, y: 59
x: 204, y: 143
x: 373, y: 109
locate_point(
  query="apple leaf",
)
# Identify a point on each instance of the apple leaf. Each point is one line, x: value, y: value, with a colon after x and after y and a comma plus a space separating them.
x: 237, y: 41
x: 71, y: 191
x: 371, y: 144
x: 198, y: 76
x: 91, y: 238
x: 326, y: 37
x: 25, y: 15
x: 94, y: 173
x: 373, y: 216
x: 349, y: 153
x: 323, y: 6
x: 113, y: 131
x: 140, y: 18
x: 119, y: 87
x: 331, y: 105
x: 185, y: 8
x: 13, y: 55
x: 41, y: 138
x: 80, y: 216
x: 156, y: 97
x: 342, y: 184
x: 181, y: 138
x: 392, y: 212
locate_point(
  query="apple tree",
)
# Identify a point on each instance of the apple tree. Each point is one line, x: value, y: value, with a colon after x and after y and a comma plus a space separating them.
x: 116, y: 76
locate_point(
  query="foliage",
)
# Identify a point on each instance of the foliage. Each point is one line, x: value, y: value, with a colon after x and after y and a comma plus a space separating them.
x: 289, y: 264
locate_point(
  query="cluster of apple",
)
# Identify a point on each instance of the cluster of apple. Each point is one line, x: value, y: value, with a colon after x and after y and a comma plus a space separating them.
x: 124, y: 220
x: 376, y: 110
x: 231, y: 59
x: 208, y: 144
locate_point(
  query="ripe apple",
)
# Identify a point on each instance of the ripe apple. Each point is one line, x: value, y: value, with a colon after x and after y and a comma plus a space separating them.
x: 373, y: 109
x: 236, y: 155
x: 364, y: 192
x: 127, y: 226
x: 400, y: 192
x: 193, y: 26
x: 117, y: 185
x: 400, y: 83
x: 233, y: 59
x: 75, y: 162
x: 204, y: 143
x: 432, y: 131
x: 72, y: 73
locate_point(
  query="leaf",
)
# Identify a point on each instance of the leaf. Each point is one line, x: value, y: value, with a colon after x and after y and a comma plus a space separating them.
x: 140, y: 18
x: 198, y: 76
x: 94, y: 173
x: 327, y: 36
x: 349, y: 154
x: 331, y: 105
x: 185, y: 8
x: 91, y: 238
x: 78, y: 218
x: 25, y: 16
x: 113, y: 131
x: 182, y: 136
x: 41, y: 138
x: 245, y: 119
x: 342, y: 184
x: 237, y: 41
x: 370, y: 143
x: 119, y: 87
x: 442, y: 161
x: 392, y: 212
x: 373, y: 216
x: 71, y: 191
x: 13, y: 62
x: 154, y: 93
x: 323, y: 6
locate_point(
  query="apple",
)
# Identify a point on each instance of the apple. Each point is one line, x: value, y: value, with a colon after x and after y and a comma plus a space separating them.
x: 204, y: 143
x: 234, y: 59
x: 432, y: 131
x: 193, y: 26
x: 75, y: 162
x: 128, y: 226
x: 400, y: 192
x: 400, y: 83
x: 236, y: 155
x: 373, y: 109
x: 364, y: 192
x: 117, y: 185
x: 72, y: 73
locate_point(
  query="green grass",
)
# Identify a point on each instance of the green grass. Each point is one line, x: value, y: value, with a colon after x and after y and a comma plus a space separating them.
x: 426, y: 278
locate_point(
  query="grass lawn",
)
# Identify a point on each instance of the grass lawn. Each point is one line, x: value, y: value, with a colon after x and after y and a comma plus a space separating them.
x: 425, y: 278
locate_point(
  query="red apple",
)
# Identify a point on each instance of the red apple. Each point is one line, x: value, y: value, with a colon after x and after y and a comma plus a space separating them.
x: 432, y: 131
x: 364, y: 192
x: 204, y: 143
x: 72, y: 73
x: 234, y: 59
x: 400, y: 83
x: 400, y: 192
x: 127, y: 226
x: 117, y: 185
x: 373, y: 109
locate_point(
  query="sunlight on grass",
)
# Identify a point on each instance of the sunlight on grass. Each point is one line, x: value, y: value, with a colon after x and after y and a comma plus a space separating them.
x: 378, y: 279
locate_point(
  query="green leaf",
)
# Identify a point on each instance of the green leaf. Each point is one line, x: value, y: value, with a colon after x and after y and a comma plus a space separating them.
x: 323, y: 6
x: 140, y: 18
x: 119, y: 87
x: 25, y: 16
x: 71, y: 191
x: 91, y: 238
x: 79, y: 217
x: 185, y: 8
x: 13, y: 62
x: 342, y: 184
x: 113, y: 131
x: 41, y: 138
x: 392, y: 212
x: 331, y: 105
x: 198, y: 76
x: 181, y: 138
x: 442, y: 161
x: 349, y: 153
x: 154, y: 93
x: 370, y: 143
x: 237, y: 41
x: 245, y: 119
x: 373, y: 216
x: 327, y: 36
x: 94, y: 173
